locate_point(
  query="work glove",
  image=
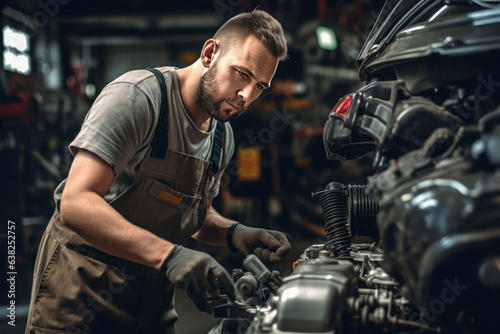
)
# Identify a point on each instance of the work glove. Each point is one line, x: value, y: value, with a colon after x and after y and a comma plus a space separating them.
x: 198, y: 274
x: 269, y: 246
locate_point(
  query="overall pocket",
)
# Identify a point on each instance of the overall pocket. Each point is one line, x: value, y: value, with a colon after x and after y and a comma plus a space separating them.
x: 79, y: 294
x: 166, y: 212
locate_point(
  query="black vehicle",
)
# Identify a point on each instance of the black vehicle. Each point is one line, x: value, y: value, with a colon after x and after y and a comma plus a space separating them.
x: 430, y: 112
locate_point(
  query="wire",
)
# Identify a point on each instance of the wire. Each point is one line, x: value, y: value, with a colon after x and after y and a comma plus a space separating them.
x: 415, y: 324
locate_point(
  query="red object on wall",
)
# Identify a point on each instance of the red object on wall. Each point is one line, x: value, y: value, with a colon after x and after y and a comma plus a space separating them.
x: 18, y: 112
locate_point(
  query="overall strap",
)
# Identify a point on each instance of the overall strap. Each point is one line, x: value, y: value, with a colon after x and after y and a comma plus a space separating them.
x: 159, y: 144
x: 216, y: 149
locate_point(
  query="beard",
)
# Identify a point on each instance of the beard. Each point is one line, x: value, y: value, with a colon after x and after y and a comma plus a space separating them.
x: 208, y: 93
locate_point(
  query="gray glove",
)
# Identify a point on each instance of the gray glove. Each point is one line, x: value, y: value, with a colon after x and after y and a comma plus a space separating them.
x: 270, y: 246
x: 197, y: 273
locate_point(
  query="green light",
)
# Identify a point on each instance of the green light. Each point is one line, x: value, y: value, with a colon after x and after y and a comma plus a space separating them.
x: 326, y: 38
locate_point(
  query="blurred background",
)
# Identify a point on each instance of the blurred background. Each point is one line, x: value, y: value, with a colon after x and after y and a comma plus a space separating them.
x: 57, y: 55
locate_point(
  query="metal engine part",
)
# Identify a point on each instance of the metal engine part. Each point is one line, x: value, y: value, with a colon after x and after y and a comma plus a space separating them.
x: 328, y: 295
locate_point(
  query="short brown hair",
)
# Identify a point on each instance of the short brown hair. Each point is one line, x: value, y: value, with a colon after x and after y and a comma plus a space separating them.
x: 258, y: 23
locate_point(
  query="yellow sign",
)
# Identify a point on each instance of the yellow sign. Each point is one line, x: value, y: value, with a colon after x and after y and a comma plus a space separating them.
x: 249, y: 165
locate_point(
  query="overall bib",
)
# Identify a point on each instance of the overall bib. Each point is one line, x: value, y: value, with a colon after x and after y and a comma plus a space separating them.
x: 79, y: 289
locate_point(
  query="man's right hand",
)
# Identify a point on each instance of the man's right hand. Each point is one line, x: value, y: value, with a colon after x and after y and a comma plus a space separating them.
x: 197, y: 273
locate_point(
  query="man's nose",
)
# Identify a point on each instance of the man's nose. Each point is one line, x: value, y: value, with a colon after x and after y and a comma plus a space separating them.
x: 245, y: 93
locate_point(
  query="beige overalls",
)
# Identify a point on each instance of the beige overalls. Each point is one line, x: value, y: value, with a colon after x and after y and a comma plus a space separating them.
x: 79, y: 289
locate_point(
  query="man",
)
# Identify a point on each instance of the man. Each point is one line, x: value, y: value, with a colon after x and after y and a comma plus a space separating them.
x: 148, y: 161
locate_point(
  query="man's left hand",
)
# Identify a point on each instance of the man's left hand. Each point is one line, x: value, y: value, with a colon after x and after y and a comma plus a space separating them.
x: 270, y: 246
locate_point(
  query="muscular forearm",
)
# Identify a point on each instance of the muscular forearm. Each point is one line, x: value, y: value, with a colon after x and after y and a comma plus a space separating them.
x: 215, y: 229
x: 96, y: 221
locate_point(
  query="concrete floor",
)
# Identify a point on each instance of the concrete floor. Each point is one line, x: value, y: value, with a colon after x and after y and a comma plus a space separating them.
x: 191, y: 321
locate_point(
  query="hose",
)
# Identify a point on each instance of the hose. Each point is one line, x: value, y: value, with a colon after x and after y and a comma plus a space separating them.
x: 335, y: 219
x: 342, y: 224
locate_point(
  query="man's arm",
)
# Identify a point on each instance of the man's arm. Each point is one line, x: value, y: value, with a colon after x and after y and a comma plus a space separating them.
x: 270, y: 246
x: 215, y: 228
x: 84, y: 210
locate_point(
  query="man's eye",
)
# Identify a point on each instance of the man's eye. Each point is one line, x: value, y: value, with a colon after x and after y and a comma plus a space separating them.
x: 243, y: 74
x: 259, y: 86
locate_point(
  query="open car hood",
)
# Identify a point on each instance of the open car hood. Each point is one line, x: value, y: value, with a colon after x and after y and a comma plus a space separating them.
x: 436, y: 24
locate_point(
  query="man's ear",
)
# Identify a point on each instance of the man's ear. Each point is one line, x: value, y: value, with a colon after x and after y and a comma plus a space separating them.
x: 209, y: 52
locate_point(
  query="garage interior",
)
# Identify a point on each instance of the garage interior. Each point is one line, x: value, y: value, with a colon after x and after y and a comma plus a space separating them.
x: 58, y: 55
x: 74, y: 48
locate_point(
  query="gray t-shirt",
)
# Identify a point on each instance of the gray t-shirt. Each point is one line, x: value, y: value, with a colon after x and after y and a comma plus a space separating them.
x: 120, y: 126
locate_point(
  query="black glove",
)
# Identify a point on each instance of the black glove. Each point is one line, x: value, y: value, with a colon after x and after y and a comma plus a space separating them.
x: 197, y: 273
x: 270, y: 246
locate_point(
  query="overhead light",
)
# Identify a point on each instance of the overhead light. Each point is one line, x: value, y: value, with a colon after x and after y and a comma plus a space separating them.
x: 16, y: 62
x: 16, y: 47
x: 326, y: 38
x: 13, y: 38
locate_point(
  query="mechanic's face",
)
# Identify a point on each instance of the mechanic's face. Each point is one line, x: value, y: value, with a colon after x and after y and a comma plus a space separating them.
x: 236, y: 78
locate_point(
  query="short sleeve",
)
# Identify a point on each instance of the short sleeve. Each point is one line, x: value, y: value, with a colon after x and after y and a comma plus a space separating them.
x: 117, y: 126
